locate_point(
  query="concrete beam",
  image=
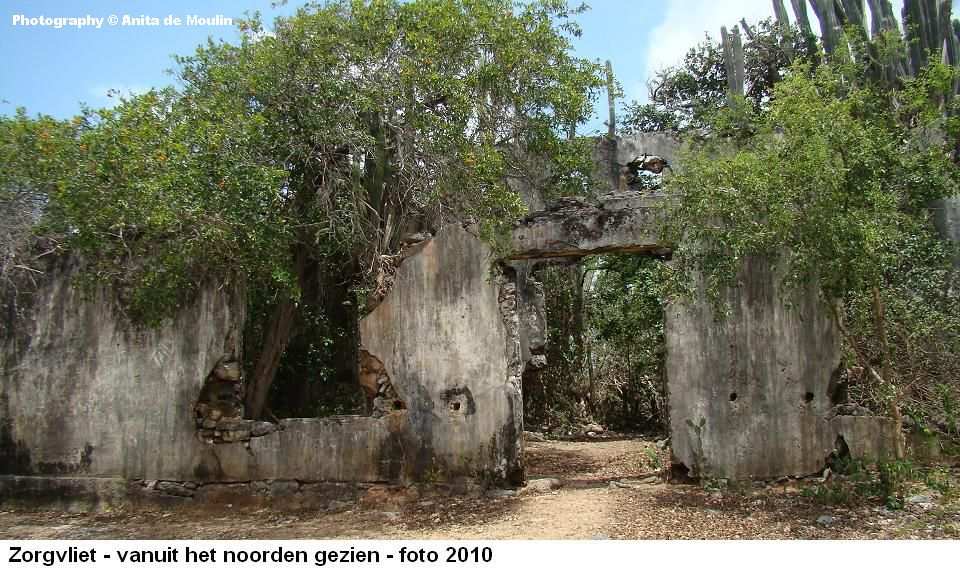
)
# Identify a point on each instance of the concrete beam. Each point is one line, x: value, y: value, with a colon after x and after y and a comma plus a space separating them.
x: 572, y: 227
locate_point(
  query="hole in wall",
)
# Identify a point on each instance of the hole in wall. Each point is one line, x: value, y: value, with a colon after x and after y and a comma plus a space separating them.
x: 680, y: 473
x: 377, y: 385
x: 459, y: 400
x: 839, y: 461
x: 222, y: 394
x: 733, y: 397
x: 808, y: 397
x: 837, y: 391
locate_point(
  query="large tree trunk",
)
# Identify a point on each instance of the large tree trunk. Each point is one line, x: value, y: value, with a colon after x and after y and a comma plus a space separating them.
x: 275, y: 340
x: 882, y: 377
x: 340, y: 307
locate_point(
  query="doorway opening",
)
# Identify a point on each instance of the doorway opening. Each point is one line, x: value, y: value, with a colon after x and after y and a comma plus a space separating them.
x: 601, y: 365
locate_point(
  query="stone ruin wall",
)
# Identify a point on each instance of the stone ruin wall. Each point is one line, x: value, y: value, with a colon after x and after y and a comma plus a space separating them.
x: 750, y: 395
x: 754, y: 395
x: 95, y: 410
x: 90, y: 406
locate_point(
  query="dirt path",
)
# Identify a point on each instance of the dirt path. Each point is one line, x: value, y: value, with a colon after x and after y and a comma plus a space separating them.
x: 535, y: 517
x: 604, y: 493
x: 583, y: 507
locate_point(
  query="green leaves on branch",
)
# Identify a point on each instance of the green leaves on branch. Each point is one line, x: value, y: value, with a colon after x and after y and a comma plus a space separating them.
x: 685, y: 98
x: 830, y: 180
x: 326, y: 138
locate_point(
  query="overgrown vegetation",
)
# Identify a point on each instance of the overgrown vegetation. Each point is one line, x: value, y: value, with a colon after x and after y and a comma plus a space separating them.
x: 605, y: 347
x: 687, y: 97
x: 890, y: 482
x: 832, y: 184
x: 826, y: 161
x: 295, y: 162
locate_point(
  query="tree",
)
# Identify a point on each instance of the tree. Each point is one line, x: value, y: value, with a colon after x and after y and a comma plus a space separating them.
x: 686, y: 97
x: 833, y: 184
x: 34, y: 153
x: 889, y: 274
x: 302, y: 155
x: 626, y: 319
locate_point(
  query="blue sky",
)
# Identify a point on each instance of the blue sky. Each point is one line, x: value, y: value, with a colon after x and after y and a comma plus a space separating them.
x: 51, y: 71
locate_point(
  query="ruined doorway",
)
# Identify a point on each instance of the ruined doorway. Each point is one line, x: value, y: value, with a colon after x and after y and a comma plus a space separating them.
x: 601, y: 357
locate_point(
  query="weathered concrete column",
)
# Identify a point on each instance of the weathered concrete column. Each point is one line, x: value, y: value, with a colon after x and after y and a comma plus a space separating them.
x: 751, y: 394
x: 447, y: 337
x: 946, y: 218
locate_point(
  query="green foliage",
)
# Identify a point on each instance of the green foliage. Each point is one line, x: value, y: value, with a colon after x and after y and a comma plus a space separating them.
x: 825, y: 193
x: 605, y: 346
x: 625, y: 320
x: 893, y: 476
x: 330, y: 132
x: 685, y: 98
x: 35, y: 154
x: 317, y: 143
x: 156, y: 198
x: 829, y: 177
x: 558, y: 396
x: 939, y: 479
x: 856, y: 481
x: 948, y: 401
x: 653, y: 457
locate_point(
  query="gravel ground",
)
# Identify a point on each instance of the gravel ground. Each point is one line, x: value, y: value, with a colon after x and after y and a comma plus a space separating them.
x: 605, y: 491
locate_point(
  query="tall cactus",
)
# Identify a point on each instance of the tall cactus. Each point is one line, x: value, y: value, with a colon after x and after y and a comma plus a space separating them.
x: 947, y: 36
x: 876, y: 17
x: 611, y: 102
x: 856, y: 14
x: 915, y: 34
x: 780, y: 12
x: 739, y: 61
x: 783, y: 19
x: 826, y: 12
x: 881, y: 16
x: 931, y: 25
x: 733, y: 60
x: 928, y: 27
x: 803, y: 20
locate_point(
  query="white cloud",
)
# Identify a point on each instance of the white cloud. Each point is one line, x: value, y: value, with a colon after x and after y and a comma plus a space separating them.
x: 686, y: 21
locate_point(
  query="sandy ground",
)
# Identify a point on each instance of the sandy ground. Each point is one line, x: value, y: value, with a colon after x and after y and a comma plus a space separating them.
x: 606, y: 492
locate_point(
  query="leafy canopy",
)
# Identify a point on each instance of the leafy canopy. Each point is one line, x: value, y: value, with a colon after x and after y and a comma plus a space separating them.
x: 325, y: 139
x: 833, y: 177
x: 685, y: 98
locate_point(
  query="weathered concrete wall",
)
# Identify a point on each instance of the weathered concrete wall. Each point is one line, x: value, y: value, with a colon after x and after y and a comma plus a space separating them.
x: 447, y: 336
x: 609, y: 157
x: 86, y: 396
x: 750, y: 395
x: 758, y: 380
x: 532, y: 314
x: 664, y: 145
x: 946, y: 218
x: 84, y: 392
